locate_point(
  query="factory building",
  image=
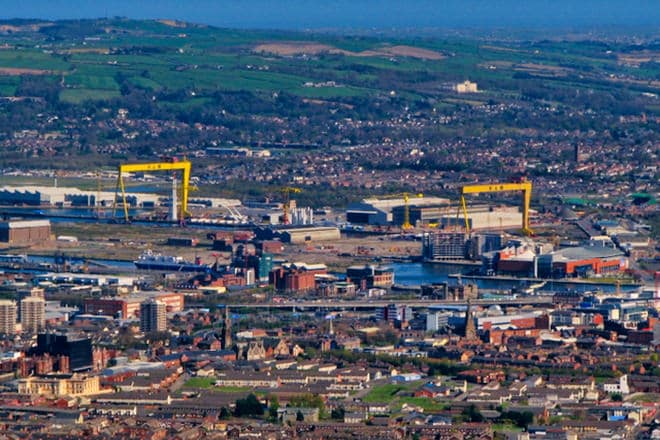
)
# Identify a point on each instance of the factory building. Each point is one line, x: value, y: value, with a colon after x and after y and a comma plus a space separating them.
x: 24, y: 231
x: 369, y: 277
x: 128, y: 307
x: 299, y: 235
x: 374, y: 211
x: 421, y: 215
x: 62, y: 196
x: 296, y: 277
x: 438, y: 246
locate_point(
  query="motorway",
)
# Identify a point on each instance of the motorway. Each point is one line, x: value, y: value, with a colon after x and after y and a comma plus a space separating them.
x: 418, y: 303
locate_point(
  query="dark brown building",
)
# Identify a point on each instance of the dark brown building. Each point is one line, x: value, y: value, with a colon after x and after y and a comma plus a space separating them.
x: 24, y: 231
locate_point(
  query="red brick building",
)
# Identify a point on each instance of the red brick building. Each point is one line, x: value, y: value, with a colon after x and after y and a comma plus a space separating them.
x: 296, y: 278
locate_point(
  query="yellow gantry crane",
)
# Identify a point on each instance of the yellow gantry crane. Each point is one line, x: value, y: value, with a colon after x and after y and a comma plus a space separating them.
x: 174, y: 165
x: 524, y: 186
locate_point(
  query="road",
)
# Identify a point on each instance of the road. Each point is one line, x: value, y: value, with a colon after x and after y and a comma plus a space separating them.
x: 419, y: 303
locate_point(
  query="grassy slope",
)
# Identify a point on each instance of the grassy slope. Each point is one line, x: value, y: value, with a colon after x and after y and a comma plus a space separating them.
x: 155, y: 56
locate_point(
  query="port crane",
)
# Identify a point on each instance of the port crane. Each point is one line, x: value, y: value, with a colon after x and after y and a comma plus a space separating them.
x: 172, y: 165
x: 524, y: 186
x: 286, y: 191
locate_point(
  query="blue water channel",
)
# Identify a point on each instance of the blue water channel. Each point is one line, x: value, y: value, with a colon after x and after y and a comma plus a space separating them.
x: 415, y: 274
x: 405, y: 274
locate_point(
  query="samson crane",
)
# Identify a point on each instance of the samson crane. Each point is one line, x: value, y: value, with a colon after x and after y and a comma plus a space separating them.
x: 524, y: 186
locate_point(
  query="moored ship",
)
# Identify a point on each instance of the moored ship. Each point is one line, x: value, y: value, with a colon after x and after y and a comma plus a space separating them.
x: 150, y: 260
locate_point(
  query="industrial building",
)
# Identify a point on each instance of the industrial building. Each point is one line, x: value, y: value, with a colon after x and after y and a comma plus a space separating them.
x: 296, y: 277
x: 127, y: 307
x: 374, y: 211
x: 484, y: 217
x: 62, y: 196
x: 299, y: 235
x: 369, y: 277
x: 24, y: 231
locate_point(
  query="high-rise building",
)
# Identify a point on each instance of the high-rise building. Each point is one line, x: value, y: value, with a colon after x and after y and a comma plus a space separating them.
x: 7, y: 317
x: 33, y: 314
x: 153, y: 316
x: 78, y: 350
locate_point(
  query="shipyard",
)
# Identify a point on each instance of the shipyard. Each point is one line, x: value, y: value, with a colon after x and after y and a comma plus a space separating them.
x: 319, y: 232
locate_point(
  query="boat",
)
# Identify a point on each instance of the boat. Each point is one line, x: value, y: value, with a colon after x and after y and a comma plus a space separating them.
x: 13, y: 258
x: 150, y: 260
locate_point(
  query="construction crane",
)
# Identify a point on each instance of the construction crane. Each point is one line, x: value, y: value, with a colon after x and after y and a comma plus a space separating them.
x: 174, y: 165
x: 286, y: 191
x: 524, y: 186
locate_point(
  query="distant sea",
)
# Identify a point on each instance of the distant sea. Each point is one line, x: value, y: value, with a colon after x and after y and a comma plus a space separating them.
x: 377, y: 15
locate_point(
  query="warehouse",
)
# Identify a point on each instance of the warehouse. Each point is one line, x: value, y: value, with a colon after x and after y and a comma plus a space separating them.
x: 484, y: 217
x: 24, y: 231
x: 375, y: 211
x: 62, y: 196
x: 299, y: 235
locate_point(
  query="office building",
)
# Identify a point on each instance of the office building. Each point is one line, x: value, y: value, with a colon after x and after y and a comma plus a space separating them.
x: 7, y: 317
x: 153, y: 316
x: 33, y: 316
x: 77, y: 349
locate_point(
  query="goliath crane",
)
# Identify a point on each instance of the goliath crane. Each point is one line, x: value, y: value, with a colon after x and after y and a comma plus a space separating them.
x: 172, y: 165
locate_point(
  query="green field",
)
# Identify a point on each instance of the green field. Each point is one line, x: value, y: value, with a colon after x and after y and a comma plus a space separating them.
x: 156, y: 56
x: 207, y: 383
x: 200, y: 382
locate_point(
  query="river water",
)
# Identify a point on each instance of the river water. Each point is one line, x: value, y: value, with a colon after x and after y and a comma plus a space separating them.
x: 415, y: 274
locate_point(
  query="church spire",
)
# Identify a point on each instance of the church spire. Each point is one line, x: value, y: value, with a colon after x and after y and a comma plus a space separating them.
x: 226, y: 330
x: 470, y: 329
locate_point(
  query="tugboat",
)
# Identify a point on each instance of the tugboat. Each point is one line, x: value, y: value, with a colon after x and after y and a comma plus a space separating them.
x: 150, y: 260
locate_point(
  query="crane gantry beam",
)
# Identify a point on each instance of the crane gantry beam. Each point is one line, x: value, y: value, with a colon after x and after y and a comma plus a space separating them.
x: 182, y: 165
x: 524, y: 186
